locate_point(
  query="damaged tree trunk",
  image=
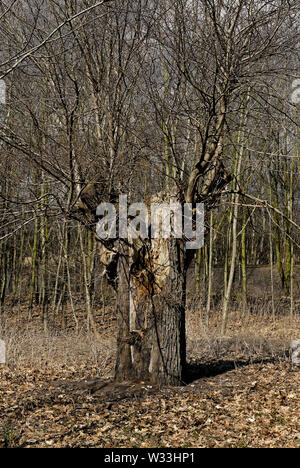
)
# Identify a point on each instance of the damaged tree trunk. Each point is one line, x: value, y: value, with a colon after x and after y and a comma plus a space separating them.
x: 149, y: 276
x: 124, y: 369
x: 152, y: 289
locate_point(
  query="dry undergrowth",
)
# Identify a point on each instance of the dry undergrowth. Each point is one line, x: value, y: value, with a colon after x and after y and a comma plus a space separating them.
x: 58, y: 350
x: 242, y: 390
x: 248, y: 336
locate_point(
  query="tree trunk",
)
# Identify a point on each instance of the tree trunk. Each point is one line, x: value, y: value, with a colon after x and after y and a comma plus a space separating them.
x: 151, y: 308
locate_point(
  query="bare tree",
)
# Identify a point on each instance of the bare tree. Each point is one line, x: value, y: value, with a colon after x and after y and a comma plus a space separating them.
x: 219, y: 52
x: 140, y: 98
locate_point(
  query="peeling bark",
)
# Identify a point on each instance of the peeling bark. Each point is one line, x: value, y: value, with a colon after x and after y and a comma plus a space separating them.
x: 151, y: 342
x: 151, y: 308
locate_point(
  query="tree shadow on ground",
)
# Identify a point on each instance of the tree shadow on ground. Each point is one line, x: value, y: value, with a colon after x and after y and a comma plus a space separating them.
x: 197, y: 370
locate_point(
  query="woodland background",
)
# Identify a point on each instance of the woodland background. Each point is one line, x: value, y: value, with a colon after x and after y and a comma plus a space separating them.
x: 108, y: 94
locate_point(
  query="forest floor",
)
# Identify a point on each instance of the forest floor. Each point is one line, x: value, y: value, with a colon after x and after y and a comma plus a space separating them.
x: 242, y: 391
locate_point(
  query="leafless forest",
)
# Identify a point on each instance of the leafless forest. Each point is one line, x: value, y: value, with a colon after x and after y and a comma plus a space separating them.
x: 195, y: 101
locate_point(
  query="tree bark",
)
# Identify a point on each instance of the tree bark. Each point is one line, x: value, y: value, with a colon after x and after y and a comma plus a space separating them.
x: 151, y: 312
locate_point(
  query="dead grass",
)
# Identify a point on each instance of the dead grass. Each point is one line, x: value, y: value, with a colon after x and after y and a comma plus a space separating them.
x: 37, y: 349
x: 250, y: 336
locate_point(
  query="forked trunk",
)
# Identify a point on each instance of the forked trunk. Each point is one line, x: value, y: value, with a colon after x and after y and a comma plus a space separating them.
x: 151, y: 294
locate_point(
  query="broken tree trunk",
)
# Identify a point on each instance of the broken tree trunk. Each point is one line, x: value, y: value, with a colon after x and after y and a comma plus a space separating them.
x: 151, y: 310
